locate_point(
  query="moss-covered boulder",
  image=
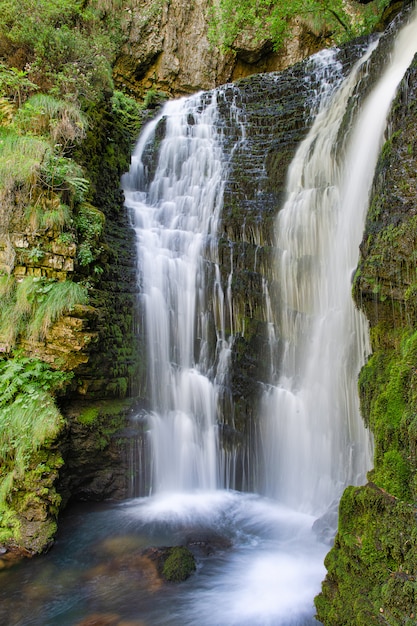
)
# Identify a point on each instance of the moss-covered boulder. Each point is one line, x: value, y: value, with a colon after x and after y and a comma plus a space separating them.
x: 179, y: 564
x: 372, y: 568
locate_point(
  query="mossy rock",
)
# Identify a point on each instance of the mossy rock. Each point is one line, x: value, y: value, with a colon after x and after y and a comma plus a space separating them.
x: 372, y: 575
x: 179, y: 564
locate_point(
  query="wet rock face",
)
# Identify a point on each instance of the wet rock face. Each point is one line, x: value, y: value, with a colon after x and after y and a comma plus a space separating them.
x: 95, y: 447
x: 263, y: 118
x: 386, y: 280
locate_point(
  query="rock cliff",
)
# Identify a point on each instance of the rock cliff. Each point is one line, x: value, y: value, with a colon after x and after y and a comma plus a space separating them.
x: 167, y: 48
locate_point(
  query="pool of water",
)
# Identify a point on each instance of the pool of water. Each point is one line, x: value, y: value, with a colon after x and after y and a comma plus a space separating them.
x: 258, y: 563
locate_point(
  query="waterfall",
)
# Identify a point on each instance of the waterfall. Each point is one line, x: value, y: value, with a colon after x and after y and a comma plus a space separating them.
x: 176, y: 216
x: 316, y: 441
x: 309, y: 428
x: 259, y: 557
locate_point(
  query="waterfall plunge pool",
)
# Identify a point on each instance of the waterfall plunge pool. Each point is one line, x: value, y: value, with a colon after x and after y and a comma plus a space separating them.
x: 258, y: 564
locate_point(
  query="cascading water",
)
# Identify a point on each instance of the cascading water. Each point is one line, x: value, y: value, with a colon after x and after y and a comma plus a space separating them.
x: 259, y: 562
x: 313, y: 438
x: 176, y: 219
x: 319, y: 442
x: 316, y: 442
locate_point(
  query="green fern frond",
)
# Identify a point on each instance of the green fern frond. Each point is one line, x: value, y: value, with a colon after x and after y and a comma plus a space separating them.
x: 61, y: 298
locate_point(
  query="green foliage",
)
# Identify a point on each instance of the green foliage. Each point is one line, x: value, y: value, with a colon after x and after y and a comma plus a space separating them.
x: 52, y: 301
x: 31, y: 306
x: 32, y: 149
x: 14, y: 84
x: 55, y: 164
x: 271, y: 19
x: 62, y: 175
x: 71, y: 46
x: 126, y: 110
x: 153, y: 98
x: 44, y: 115
x: 29, y: 420
x: 90, y: 223
x: 179, y: 565
x: 20, y: 158
x: 49, y: 212
x: 32, y: 161
x: 28, y: 412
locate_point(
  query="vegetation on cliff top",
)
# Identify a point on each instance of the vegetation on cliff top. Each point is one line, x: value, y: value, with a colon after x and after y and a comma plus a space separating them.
x: 272, y: 20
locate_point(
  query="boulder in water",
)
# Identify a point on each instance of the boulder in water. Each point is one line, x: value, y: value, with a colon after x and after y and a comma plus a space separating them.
x: 175, y: 564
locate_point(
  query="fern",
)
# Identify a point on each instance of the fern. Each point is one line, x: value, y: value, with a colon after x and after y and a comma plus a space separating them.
x: 59, y: 174
x: 61, y: 121
x: 29, y: 308
x: 28, y: 416
x: 60, y: 299
x: 20, y: 158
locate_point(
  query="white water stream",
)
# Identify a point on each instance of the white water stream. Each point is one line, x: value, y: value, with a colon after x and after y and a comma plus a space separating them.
x: 176, y: 219
x: 315, y: 439
x: 315, y: 436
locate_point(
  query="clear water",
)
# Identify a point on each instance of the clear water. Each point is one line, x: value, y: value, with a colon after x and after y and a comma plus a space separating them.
x: 265, y: 566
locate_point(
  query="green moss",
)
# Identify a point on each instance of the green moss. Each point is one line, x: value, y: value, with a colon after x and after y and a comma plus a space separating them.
x: 374, y: 553
x: 29, y: 512
x: 88, y: 416
x: 387, y: 391
x: 372, y: 567
x: 179, y: 565
x: 106, y: 417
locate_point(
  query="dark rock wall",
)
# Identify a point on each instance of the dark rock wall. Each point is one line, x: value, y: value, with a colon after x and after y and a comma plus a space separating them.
x: 275, y: 110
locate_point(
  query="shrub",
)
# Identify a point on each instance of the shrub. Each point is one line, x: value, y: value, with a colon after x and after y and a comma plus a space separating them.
x: 44, y: 115
x: 271, y: 19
